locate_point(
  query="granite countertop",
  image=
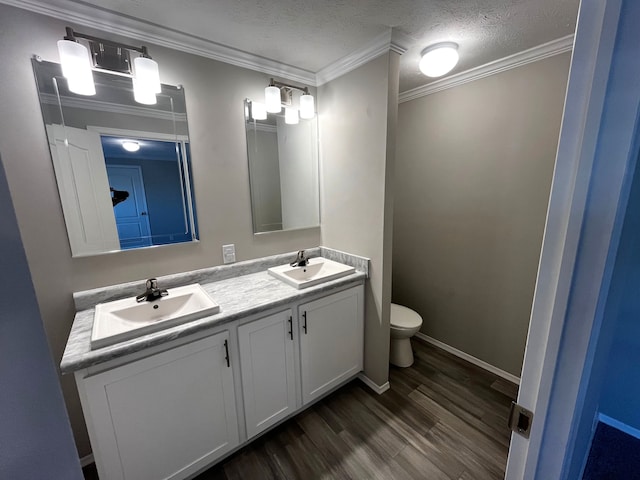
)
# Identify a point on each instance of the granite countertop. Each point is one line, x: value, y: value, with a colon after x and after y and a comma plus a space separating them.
x: 238, y: 297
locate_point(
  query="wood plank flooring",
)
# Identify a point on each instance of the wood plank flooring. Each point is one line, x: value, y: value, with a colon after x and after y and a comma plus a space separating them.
x: 442, y: 419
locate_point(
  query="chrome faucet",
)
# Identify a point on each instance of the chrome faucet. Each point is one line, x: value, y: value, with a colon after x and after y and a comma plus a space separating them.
x: 152, y: 293
x: 300, y: 261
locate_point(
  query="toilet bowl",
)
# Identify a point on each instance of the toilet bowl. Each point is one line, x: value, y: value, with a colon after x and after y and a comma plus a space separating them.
x: 404, y: 325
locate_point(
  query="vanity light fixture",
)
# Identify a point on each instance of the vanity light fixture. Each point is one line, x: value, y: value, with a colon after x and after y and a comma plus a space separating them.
x: 439, y: 59
x: 111, y: 57
x: 76, y: 67
x: 291, y: 116
x: 272, y: 99
x: 278, y: 93
x: 258, y: 111
x: 131, y: 146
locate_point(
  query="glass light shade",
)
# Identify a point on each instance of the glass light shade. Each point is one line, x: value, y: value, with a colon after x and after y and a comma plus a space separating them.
x: 76, y: 67
x: 272, y: 99
x: 142, y: 94
x: 291, y: 116
x: 439, y: 59
x: 147, y: 73
x: 131, y: 146
x: 258, y: 111
x: 307, y: 106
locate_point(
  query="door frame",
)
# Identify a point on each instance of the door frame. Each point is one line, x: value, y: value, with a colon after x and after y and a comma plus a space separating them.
x: 183, y: 165
x: 147, y: 240
x: 589, y: 191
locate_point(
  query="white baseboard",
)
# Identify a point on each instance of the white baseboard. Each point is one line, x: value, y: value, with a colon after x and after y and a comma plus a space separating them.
x: 86, y: 460
x: 372, y: 385
x: 612, y: 422
x: 469, y: 358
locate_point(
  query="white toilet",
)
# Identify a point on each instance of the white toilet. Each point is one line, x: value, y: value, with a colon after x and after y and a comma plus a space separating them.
x: 404, y: 325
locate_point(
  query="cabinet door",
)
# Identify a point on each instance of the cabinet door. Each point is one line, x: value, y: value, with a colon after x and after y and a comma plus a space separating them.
x: 165, y: 416
x: 268, y: 373
x: 331, y: 341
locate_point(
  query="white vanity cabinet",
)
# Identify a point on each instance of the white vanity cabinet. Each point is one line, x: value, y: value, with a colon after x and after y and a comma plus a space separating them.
x: 169, y: 415
x: 267, y: 361
x: 165, y: 416
x: 331, y: 341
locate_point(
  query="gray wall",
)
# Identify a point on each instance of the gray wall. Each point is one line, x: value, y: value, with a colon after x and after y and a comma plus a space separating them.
x: 35, y: 434
x: 473, y: 172
x: 357, y: 132
x: 214, y: 94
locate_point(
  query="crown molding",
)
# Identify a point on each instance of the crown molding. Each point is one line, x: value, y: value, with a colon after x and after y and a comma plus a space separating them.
x: 98, y: 105
x: 546, y: 50
x: 129, y: 27
x: 388, y: 40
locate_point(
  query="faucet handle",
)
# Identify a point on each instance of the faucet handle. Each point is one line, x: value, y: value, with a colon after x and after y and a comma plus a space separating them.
x: 152, y: 283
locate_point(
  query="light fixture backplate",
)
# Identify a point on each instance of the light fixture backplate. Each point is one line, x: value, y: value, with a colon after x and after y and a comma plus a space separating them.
x: 110, y: 57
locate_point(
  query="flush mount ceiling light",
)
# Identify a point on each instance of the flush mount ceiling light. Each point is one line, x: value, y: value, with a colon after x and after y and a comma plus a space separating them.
x: 131, y: 146
x: 278, y: 93
x: 111, y: 57
x: 439, y: 59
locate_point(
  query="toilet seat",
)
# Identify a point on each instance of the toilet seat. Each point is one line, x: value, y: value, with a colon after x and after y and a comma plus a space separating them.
x: 404, y: 318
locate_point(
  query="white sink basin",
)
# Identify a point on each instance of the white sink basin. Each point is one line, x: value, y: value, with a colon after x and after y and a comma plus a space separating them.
x: 126, y: 319
x: 317, y: 270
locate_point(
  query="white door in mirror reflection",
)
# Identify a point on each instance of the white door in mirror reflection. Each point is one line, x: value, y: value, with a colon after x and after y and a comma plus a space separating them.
x: 132, y: 217
x: 84, y: 189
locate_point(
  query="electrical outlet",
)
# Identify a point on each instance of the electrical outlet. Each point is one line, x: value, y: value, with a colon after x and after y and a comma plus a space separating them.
x: 229, y: 253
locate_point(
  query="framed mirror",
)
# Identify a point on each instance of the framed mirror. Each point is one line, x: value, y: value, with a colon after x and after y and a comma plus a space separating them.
x: 123, y: 169
x: 283, y: 172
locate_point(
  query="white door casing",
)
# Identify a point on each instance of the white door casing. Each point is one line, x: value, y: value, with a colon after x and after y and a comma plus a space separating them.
x: 581, y: 235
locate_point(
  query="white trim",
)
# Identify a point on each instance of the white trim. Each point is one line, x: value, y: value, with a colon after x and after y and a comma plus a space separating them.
x: 100, y: 106
x: 380, y: 45
x: 87, y: 460
x: 129, y: 27
x: 469, y: 358
x: 139, y: 134
x: 623, y: 427
x: 379, y: 389
x: 546, y: 50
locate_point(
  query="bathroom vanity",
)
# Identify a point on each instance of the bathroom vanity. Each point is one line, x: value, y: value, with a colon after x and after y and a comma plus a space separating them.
x: 171, y: 403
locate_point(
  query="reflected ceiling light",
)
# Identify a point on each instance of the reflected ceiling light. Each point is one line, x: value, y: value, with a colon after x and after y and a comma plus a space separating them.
x: 291, y: 116
x: 278, y: 93
x: 439, y: 59
x: 111, y: 57
x: 258, y: 111
x: 142, y: 94
x: 131, y: 146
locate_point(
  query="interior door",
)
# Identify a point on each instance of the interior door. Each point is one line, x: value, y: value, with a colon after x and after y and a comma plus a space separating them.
x: 580, y: 231
x: 84, y: 190
x: 132, y: 215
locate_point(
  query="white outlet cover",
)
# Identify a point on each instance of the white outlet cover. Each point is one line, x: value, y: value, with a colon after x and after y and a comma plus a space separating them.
x: 229, y: 253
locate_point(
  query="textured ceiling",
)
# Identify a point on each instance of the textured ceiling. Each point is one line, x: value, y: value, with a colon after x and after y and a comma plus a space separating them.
x: 311, y: 34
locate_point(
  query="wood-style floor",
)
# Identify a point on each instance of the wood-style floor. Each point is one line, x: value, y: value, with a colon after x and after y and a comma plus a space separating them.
x: 442, y: 419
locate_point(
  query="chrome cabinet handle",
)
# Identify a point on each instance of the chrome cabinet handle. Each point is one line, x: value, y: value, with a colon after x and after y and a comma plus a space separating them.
x: 304, y: 325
